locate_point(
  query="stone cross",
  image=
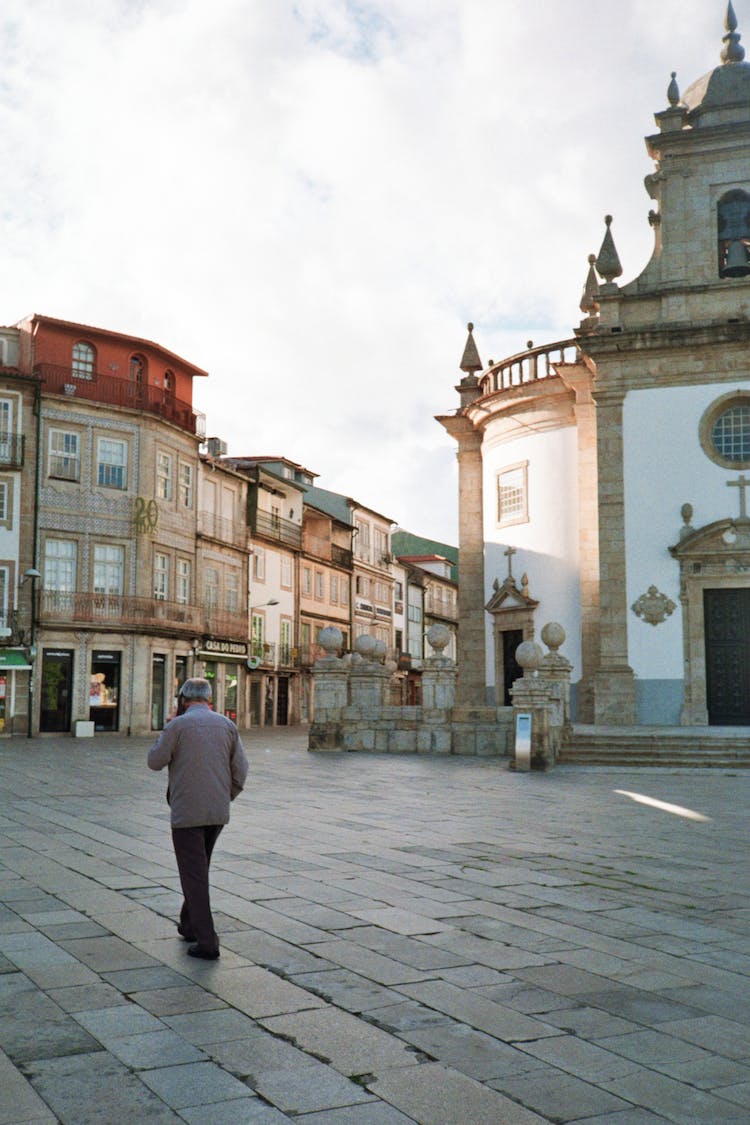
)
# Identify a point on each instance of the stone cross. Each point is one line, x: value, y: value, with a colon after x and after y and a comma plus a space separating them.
x: 742, y: 484
x: 512, y: 550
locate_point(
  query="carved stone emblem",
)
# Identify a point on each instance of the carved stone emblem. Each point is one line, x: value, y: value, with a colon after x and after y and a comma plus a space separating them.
x: 653, y: 606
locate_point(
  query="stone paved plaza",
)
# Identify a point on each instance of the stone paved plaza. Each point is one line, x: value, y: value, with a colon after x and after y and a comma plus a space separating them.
x: 404, y: 939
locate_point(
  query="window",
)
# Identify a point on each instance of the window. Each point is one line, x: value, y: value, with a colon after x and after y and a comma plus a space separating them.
x: 4, y: 586
x: 344, y: 591
x: 725, y: 431
x: 109, y: 569
x: 182, y: 583
x: 362, y: 586
x: 257, y: 630
x: 382, y: 593
x: 161, y: 576
x: 232, y: 592
x: 733, y: 222
x: 211, y: 587
x: 306, y: 580
x: 334, y: 588
x: 381, y: 545
x: 286, y: 572
x: 6, y: 430
x: 259, y: 564
x: 112, y: 470
x: 399, y: 591
x: 275, y: 517
x: 64, y: 455
x: 60, y: 558
x: 362, y: 540
x: 4, y: 502
x: 415, y: 613
x: 83, y: 361
x: 185, y: 485
x: 319, y: 585
x: 286, y: 641
x: 512, y: 495
x: 163, y: 476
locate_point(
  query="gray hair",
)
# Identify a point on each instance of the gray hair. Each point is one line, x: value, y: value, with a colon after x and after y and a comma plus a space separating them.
x: 196, y: 689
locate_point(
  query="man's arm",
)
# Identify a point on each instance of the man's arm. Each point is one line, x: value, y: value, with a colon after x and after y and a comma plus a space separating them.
x: 239, y: 766
x: 160, y: 754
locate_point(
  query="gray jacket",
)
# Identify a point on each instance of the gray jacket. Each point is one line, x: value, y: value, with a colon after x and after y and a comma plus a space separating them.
x: 207, y: 766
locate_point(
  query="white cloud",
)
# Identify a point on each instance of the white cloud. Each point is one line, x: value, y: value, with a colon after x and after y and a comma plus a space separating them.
x: 311, y: 199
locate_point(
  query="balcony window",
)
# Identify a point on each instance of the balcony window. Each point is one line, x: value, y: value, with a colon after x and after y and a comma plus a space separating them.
x: 60, y: 564
x: 112, y: 466
x: 161, y: 576
x: 211, y: 587
x: 109, y: 569
x: 286, y: 572
x: 185, y: 485
x: 183, y: 581
x: 83, y: 361
x: 259, y: 564
x: 163, y: 476
x: 307, y: 580
x: 64, y: 455
x: 232, y: 592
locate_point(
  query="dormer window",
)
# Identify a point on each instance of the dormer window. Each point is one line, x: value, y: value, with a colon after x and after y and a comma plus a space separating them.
x: 733, y: 220
x: 83, y: 361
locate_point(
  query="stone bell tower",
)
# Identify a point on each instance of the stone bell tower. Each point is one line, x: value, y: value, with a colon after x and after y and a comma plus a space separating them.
x: 672, y: 389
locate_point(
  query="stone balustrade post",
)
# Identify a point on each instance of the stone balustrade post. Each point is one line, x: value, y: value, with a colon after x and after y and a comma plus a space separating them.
x: 330, y: 693
x: 534, y: 696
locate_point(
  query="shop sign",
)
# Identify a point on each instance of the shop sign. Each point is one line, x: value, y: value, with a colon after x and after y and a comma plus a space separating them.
x: 226, y: 648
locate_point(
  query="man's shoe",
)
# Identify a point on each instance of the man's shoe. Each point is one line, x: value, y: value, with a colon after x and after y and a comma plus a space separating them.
x: 185, y: 934
x: 202, y: 952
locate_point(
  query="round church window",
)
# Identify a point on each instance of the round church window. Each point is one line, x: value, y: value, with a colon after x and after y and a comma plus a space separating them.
x: 725, y: 431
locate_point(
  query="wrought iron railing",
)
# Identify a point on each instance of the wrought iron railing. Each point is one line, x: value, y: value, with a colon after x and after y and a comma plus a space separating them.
x: 115, y: 391
x: 274, y: 527
x: 223, y: 529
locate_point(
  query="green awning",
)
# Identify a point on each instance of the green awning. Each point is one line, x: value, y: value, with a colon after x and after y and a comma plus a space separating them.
x: 9, y: 658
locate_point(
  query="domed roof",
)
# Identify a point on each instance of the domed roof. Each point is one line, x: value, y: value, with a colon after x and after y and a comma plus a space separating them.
x: 726, y: 87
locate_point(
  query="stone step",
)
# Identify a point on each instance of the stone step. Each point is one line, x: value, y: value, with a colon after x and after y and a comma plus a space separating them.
x: 707, y: 747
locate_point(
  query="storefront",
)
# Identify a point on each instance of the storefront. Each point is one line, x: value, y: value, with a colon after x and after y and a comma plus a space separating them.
x: 56, y: 696
x: 104, y: 691
x: 223, y: 666
x: 15, y: 671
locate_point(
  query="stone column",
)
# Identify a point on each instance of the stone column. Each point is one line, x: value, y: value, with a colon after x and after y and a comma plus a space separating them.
x: 614, y: 683
x: 531, y: 696
x: 555, y: 670
x: 470, y: 640
x: 579, y: 378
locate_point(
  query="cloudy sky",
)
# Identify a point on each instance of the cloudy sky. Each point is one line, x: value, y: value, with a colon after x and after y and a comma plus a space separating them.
x: 310, y: 199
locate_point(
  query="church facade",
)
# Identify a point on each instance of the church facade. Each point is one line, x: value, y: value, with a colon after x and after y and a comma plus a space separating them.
x: 603, y: 479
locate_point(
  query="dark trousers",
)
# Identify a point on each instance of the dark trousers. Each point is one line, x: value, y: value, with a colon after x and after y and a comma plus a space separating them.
x: 192, y: 849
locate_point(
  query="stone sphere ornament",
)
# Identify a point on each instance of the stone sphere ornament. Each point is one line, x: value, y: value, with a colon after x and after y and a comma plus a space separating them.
x: 439, y: 637
x: 331, y: 640
x: 379, y: 651
x: 529, y: 657
x: 553, y: 635
x: 365, y: 646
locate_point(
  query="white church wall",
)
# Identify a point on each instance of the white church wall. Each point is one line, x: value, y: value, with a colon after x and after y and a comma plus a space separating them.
x: 546, y: 545
x: 664, y: 468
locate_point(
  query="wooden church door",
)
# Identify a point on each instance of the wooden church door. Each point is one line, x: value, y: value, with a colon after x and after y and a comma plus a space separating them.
x: 727, y: 633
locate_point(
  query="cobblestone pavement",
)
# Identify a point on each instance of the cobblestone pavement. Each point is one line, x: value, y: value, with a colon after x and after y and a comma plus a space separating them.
x: 404, y: 939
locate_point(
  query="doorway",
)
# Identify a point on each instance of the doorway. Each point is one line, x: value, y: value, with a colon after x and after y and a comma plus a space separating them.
x: 282, y: 701
x: 727, y: 634
x: 158, y: 690
x: 512, y: 671
x: 57, y: 690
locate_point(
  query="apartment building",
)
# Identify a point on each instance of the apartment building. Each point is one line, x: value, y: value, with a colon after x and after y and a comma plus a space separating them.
x: 19, y: 396
x: 274, y: 516
x: 119, y: 622
x: 222, y: 553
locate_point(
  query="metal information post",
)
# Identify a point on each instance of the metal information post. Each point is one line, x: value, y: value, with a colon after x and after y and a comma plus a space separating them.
x: 523, y: 741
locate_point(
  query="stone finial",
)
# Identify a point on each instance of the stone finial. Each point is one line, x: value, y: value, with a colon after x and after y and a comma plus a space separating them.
x: 438, y: 637
x: 364, y: 646
x: 529, y: 657
x: 608, y: 262
x: 553, y: 635
x: 673, y: 91
x: 731, y: 52
x: 470, y: 362
x: 589, y: 299
x: 331, y: 640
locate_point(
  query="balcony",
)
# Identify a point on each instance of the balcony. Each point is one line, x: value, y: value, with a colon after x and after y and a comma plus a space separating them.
x: 113, y: 391
x: 340, y: 556
x: 271, y: 526
x: 528, y: 366
x: 265, y: 653
x: 57, y: 607
x: 230, y: 624
x: 11, y: 451
x: 440, y: 607
x: 224, y: 530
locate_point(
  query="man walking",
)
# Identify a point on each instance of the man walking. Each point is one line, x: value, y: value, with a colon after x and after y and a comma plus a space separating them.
x: 207, y: 769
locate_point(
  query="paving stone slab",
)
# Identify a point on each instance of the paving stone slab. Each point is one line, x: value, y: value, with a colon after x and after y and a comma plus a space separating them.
x: 367, y: 963
x: 312, y: 1088
x: 273, y: 953
x: 373, y: 1113
x: 257, y: 1053
x: 177, y: 1001
x: 259, y: 992
x: 107, y: 954
x: 560, y: 1096
x: 348, y: 990
x: 195, y: 1084
x: 350, y: 1044
x: 201, y: 1028
x: 138, y: 980
x: 674, y: 1100
x: 33, y: 1027
x: 468, y: 1051
x: 96, y: 1089
x: 86, y: 997
x: 473, y: 1009
x: 19, y: 1102
x: 434, y: 1095
x: 154, y: 1049
x: 240, y: 1111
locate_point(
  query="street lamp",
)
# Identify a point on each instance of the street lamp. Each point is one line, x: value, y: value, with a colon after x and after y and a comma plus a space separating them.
x: 32, y: 574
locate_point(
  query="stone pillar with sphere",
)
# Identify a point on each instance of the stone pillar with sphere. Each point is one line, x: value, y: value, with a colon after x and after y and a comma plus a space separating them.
x: 331, y: 687
x: 531, y: 696
x: 555, y: 669
x: 369, y: 676
x: 438, y: 672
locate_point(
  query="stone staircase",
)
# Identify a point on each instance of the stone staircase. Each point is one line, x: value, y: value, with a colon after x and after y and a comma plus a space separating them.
x: 717, y: 747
